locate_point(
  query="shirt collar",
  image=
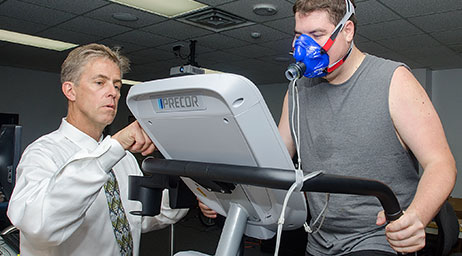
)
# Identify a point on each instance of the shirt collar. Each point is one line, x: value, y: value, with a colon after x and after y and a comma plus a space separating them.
x: 80, y: 138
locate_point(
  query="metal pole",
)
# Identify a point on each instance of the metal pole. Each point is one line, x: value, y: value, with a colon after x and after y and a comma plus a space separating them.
x: 172, y: 236
x: 233, y: 230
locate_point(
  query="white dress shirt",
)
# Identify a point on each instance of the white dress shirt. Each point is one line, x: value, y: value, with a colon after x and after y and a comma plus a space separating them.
x: 58, y: 202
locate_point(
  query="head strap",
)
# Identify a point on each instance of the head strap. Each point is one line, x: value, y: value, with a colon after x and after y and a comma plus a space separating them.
x: 350, y: 10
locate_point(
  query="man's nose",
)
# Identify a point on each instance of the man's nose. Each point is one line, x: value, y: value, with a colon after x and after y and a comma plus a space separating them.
x: 112, y: 91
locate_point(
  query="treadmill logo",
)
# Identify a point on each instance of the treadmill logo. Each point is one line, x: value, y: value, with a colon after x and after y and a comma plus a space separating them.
x: 179, y: 103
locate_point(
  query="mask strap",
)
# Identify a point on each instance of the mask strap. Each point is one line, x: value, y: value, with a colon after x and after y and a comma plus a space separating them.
x: 350, y: 10
x: 338, y: 63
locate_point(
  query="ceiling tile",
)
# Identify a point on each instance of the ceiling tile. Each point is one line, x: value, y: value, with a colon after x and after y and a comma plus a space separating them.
x: 439, y: 22
x: 33, y: 13
x: 68, y: 36
x: 400, y: 58
x: 409, y: 42
x: 144, y: 18
x: 427, y: 54
x: 219, y: 41
x: 221, y: 56
x: 456, y: 48
x: 176, y: 29
x: 124, y: 47
x: 149, y: 55
x: 373, y: 12
x: 449, y: 37
x: 408, y: 31
x: 266, y: 34
x: 360, y: 39
x: 390, y: 29
x: 372, y: 48
x: 442, y: 61
x: 251, y: 51
x: 281, y: 59
x: 20, y: 26
x: 412, y: 8
x: 282, y: 47
x: 93, y: 27
x: 285, y: 25
x: 72, y: 6
x: 143, y: 38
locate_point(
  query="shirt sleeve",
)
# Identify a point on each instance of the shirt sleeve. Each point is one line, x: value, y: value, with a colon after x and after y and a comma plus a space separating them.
x: 49, y: 202
x: 166, y: 216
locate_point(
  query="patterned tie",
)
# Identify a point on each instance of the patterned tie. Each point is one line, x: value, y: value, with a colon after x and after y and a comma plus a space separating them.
x: 119, y: 220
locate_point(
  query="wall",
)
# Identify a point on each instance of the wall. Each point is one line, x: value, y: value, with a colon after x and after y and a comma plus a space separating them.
x: 447, y: 99
x: 274, y: 97
x: 36, y: 96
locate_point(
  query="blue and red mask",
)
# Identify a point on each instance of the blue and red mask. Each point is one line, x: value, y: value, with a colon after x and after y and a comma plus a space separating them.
x: 312, y: 59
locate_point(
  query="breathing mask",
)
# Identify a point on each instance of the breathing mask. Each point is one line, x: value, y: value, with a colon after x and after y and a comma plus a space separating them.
x: 312, y: 59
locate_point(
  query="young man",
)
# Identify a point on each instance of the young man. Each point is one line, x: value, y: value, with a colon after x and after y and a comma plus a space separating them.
x: 367, y: 117
x: 72, y: 184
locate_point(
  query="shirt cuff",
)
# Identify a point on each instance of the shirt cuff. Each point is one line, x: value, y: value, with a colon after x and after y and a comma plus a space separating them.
x: 113, y: 155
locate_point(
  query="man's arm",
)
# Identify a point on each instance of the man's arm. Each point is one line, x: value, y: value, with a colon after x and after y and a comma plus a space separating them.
x: 51, y: 197
x: 420, y: 130
x: 284, y: 127
x: 134, y: 139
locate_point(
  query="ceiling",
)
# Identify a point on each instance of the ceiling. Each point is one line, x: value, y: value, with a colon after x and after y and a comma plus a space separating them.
x: 422, y: 33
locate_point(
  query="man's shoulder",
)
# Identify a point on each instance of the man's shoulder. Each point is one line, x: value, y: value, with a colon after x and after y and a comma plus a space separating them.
x: 49, y: 144
x: 372, y: 59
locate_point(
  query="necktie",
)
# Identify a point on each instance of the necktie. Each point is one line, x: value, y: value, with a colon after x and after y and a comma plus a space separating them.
x: 119, y: 220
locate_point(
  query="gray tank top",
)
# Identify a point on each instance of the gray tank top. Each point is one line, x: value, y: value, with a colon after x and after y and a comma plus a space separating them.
x: 346, y: 129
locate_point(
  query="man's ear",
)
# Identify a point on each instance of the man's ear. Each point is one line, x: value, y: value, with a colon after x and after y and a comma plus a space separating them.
x: 349, y: 30
x: 68, y: 89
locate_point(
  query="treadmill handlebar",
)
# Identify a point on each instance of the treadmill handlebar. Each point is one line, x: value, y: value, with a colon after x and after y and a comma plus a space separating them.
x: 277, y: 179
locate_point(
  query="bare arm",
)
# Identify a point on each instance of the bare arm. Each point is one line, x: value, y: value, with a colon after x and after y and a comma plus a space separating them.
x: 419, y: 129
x: 284, y: 127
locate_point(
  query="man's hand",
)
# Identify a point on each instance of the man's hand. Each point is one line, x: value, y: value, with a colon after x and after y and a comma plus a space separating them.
x: 134, y: 139
x: 209, y: 213
x: 406, y: 234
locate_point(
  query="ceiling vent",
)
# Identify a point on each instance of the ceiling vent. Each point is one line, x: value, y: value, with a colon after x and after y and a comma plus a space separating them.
x: 215, y: 20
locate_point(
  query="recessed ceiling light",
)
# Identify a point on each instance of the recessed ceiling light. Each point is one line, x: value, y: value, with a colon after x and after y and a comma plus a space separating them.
x: 19, y: 38
x: 255, y: 35
x: 264, y: 9
x: 124, y: 16
x: 166, y: 8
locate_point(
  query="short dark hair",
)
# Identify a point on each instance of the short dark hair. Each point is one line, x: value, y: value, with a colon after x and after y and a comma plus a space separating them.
x: 335, y: 8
